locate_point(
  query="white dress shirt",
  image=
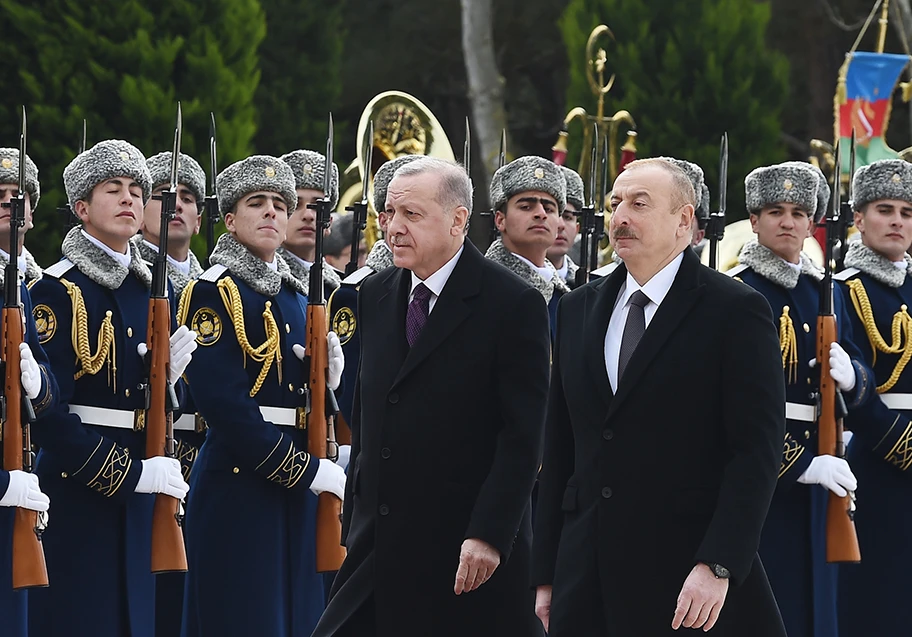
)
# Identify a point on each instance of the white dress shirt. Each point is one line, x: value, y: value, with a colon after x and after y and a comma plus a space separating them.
x: 436, y: 281
x: 544, y: 272
x: 307, y: 264
x: 182, y: 266
x: 656, y: 289
x: 564, y: 270
x: 122, y: 259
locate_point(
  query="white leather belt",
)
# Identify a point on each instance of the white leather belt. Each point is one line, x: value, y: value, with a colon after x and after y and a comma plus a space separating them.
x: 284, y: 416
x: 797, y: 411
x: 119, y: 418
x: 897, y: 401
x: 187, y: 422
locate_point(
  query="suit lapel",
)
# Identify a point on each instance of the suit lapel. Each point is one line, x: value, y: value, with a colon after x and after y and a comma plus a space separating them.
x: 599, y: 307
x: 451, y: 309
x: 392, y: 305
x: 684, y: 293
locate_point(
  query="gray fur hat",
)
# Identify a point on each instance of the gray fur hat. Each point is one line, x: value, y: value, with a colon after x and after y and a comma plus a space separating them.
x: 308, y: 168
x: 702, y: 210
x: 823, y: 188
x: 792, y: 182
x: 189, y: 173
x: 106, y: 160
x: 694, y: 173
x: 9, y: 173
x: 525, y: 174
x: 258, y: 172
x: 575, y: 189
x: 884, y: 179
x: 384, y: 176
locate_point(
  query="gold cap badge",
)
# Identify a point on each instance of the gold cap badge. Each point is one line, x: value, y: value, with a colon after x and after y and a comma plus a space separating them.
x: 539, y: 173
x: 896, y: 178
x: 787, y: 184
x: 124, y: 156
x: 307, y: 169
x: 270, y: 172
x: 7, y: 162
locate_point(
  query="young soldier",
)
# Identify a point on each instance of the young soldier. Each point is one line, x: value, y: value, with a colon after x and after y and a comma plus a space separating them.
x: 784, y: 202
x: 298, y: 249
x: 568, y: 228
x: 92, y: 310
x: 250, y: 522
x: 877, y: 281
x: 19, y: 488
x: 528, y: 196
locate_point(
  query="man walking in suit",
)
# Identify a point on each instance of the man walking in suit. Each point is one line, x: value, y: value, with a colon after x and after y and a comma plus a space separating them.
x: 447, y: 428
x: 649, y: 511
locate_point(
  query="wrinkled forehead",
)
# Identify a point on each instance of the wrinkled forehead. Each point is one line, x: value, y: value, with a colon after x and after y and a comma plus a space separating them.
x: 407, y: 188
x: 648, y: 180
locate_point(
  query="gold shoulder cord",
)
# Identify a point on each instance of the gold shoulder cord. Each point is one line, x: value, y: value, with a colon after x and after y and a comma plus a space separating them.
x: 106, y: 352
x: 183, y: 305
x: 788, y: 345
x: 901, y: 332
x: 265, y: 353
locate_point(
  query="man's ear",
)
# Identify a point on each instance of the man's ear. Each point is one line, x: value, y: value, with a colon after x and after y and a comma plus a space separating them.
x: 460, y: 216
x: 500, y: 220
x: 81, y: 209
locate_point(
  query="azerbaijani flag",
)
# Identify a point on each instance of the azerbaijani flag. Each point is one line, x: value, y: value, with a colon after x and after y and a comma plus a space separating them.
x: 869, y: 83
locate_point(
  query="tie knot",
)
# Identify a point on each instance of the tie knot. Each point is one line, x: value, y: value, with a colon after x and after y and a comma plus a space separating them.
x: 639, y: 299
x: 422, y: 293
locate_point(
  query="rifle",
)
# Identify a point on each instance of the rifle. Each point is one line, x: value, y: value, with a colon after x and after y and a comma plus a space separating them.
x: 501, y: 161
x: 212, y: 208
x: 29, y: 568
x: 598, y: 222
x: 841, y: 539
x: 467, y: 150
x: 715, y: 227
x: 359, y: 208
x: 65, y: 212
x: 587, y: 218
x: 322, y: 406
x: 846, y: 214
x: 168, y: 552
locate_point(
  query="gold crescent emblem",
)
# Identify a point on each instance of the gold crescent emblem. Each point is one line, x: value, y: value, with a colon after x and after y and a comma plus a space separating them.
x: 343, y: 324
x: 787, y: 184
x: 124, y: 156
x: 207, y: 325
x: 896, y: 178
x: 270, y: 172
x: 45, y: 322
x: 7, y: 162
x: 307, y: 169
x: 539, y: 173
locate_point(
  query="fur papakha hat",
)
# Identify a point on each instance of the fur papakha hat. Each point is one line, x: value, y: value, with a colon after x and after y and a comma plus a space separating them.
x: 526, y: 174
x: 385, y: 175
x: 308, y: 167
x: 575, y: 188
x: 258, y: 172
x: 189, y: 173
x: 9, y: 173
x: 694, y: 173
x: 106, y: 160
x: 884, y: 179
x: 792, y: 182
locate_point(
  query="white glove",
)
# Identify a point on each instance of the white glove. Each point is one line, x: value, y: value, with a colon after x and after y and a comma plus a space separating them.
x: 162, y: 475
x: 830, y: 472
x: 330, y: 477
x: 344, y: 456
x: 183, y: 344
x: 336, y: 359
x: 24, y: 492
x: 30, y: 373
x: 841, y: 369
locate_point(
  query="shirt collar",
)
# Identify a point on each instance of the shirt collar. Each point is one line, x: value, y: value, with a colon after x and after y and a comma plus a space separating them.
x: 900, y: 265
x: 272, y: 265
x: 122, y: 259
x: 564, y: 269
x: 436, y: 281
x: 307, y: 264
x: 544, y: 272
x: 182, y: 266
x: 658, y: 286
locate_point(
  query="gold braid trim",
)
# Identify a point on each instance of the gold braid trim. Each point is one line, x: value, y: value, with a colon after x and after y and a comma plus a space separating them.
x: 788, y: 345
x: 183, y: 305
x: 901, y: 332
x: 265, y: 353
x: 106, y: 352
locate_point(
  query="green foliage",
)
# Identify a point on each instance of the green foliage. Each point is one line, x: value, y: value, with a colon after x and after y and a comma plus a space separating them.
x: 122, y: 66
x: 687, y: 72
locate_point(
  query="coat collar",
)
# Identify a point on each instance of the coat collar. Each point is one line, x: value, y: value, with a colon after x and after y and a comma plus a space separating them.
x: 877, y: 266
x: 767, y: 264
x: 380, y: 257
x: 32, y: 272
x: 302, y: 274
x: 96, y: 264
x: 178, y: 279
x: 498, y: 253
x: 252, y: 270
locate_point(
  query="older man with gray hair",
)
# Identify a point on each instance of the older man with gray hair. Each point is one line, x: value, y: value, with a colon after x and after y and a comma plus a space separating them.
x: 447, y: 434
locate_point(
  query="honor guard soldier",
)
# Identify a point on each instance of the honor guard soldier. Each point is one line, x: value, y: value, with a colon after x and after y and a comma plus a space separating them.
x: 298, y: 248
x: 337, y: 246
x: 878, y: 285
x: 183, y: 267
x: 343, y: 304
x: 19, y: 488
x: 785, y: 201
x: 568, y: 228
x: 251, y: 519
x: 92, y: 313
x: 528, y: 196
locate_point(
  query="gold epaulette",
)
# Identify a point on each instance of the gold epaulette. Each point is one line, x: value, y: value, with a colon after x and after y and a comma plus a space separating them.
x: 901, y: 332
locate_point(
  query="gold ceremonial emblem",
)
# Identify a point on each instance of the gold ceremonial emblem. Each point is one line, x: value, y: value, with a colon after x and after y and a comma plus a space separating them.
x: 270, y: 172
x: 307, y: 169
x: 45, y: 322
x: 539, y: 173
x: 124, y: 156
x: 7, y: 162
x: 896, y: 178
x: 400, y: 131
x: 343, y: 324
x: 207, y: 325
x: 787, y: 184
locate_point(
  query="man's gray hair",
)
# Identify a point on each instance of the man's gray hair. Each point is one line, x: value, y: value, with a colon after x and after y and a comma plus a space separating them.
x: 455, y: 188
x: 683, y: 186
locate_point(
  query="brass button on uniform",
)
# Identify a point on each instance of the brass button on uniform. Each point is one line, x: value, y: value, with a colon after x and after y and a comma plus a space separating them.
x: 130, y: 331
x: 235, y: 470
x: 290, y: 387
x: 287, y: 328
x: 127, y: 392
x: 807, y: 328
x: 807, y: 434
x: 64, y: 475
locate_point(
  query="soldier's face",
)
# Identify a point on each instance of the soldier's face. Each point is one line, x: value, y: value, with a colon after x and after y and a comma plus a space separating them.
x: 567, y: 229
x: 529, y: 226
x: 7, y: 193
x: 114, y: 210
x: 302, y: 225
x: 258, y: 221
x: 782, y: 228
x: 422, y: 234
x: 886, y: 226
x: 185, y: 224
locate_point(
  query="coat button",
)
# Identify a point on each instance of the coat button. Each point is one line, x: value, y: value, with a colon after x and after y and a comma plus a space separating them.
x: 606, y: 492
x: 127, y: 392
x: 64, y: 475
x: 384, y: 510
x: 608, y: 434
x: 385, y: 453
x: 394, y: 398
x: 129, y: 332
x: 235, y: 470
x: 807, y: 434
x: 287, y: 328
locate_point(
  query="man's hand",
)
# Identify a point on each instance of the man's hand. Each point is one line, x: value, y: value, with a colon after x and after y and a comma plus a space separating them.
x: 830, y: 472
x: 701, y: 600
x: 477, y: 562
x: 543, y: 605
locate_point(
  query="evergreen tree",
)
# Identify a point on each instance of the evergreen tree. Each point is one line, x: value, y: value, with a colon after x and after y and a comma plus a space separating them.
x: 687, y: 72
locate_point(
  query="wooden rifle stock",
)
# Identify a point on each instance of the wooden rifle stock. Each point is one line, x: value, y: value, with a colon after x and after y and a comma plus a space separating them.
x: 320, y: 441
x: 841, y: 538
x: 29, y: 567
x: 168, y: 552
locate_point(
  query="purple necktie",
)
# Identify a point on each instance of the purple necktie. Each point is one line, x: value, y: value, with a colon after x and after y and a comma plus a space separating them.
x: 417, y: 314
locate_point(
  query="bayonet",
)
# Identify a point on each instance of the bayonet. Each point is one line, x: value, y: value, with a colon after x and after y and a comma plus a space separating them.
x: 82, y: 142
x: 467, y: 149
x: 502, y: 158
x: 213, y: 216
x: 359, y: 209
x: 715, y: 228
